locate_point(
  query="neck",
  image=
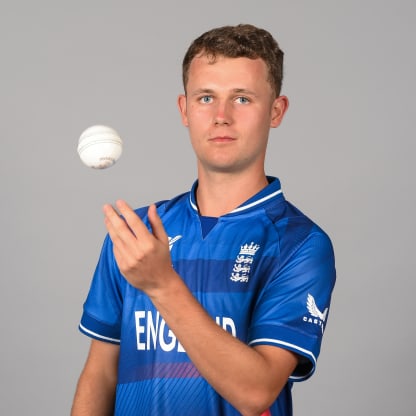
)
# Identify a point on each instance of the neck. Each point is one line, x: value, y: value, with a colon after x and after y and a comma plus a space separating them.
x: 219, y: 194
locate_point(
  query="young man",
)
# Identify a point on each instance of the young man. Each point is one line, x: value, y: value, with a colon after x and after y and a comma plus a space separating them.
x: 214, y: 302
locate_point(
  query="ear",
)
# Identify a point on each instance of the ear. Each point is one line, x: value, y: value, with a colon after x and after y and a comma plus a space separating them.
x: 182, y: 109
x: 279, y: 108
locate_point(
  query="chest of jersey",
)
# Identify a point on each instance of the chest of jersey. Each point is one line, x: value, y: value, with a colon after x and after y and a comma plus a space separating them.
x: 225, y: 271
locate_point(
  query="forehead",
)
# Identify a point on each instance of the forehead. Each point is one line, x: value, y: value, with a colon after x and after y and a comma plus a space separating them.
x: 223, y: 71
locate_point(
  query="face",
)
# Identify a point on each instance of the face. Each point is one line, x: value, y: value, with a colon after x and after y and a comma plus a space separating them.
x: 229, y: 109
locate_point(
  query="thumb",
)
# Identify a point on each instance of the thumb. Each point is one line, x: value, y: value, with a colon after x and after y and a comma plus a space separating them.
x: 158, y: 229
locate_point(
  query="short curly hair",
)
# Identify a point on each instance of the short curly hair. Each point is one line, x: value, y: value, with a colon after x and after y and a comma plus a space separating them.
x: 243, y: 40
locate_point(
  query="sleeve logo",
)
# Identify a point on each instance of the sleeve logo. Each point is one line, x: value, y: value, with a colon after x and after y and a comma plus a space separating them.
x: 316, y: 316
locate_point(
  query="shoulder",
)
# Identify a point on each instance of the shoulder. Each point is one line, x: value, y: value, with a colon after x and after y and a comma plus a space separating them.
x: 298, y: 234
x: 164, y: 205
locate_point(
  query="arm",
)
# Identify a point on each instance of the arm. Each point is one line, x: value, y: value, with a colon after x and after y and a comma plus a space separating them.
x: 96, y: 386
x: 249, y: 378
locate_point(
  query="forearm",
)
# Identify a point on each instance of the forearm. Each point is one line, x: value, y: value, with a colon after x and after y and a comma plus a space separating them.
x: 96, y: 387
x: 239, y: 373
x: 93, y: 397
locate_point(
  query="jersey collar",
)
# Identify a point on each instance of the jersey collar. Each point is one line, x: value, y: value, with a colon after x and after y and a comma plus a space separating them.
x: 271, y: 191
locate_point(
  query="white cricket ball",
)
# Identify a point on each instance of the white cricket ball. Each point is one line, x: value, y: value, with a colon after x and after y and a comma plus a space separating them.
x: 99, y: 147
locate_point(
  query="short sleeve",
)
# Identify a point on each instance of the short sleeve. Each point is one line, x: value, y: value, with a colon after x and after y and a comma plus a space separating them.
x: 292, y: 310
x: 101, y: 318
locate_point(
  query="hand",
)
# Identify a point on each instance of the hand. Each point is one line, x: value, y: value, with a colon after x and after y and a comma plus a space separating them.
x: 142, y: 256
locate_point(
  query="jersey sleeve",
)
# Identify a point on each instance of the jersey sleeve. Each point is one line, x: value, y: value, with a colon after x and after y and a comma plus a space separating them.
x: 101, y: 318
x: 292, y: 310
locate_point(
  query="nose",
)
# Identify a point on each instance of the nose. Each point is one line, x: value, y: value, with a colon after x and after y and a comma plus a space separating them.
x: 223, y: 114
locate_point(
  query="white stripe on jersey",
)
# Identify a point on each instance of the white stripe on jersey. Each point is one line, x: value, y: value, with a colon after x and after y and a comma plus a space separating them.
x: 95, y: 335
x: 293, y: 346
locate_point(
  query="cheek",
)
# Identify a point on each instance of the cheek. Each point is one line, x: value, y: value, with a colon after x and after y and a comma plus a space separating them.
x: 198, y: 112
x: 254, y: 122
x: 198, y: 120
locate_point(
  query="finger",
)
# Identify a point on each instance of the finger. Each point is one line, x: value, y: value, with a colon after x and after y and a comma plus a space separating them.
x: 124, y: 242
x: 111, y: 217
x: 156, y: 223
x: 132, y: 219
x: 124, y: 257
x: 116, y: 226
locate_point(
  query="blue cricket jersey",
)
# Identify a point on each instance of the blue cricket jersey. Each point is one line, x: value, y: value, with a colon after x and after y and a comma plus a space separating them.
x: 264, y: 272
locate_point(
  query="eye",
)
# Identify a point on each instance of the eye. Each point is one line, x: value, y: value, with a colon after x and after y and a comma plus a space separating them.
x: 242, y: 100
x: 206, y: 99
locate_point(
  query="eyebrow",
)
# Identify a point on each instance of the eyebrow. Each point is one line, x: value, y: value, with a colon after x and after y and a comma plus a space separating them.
x: 211, y: 91
x: 202, y: 91
x: 244, y: 91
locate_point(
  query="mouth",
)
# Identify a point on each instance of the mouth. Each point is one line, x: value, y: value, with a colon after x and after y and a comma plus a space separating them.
x: 222, y: 139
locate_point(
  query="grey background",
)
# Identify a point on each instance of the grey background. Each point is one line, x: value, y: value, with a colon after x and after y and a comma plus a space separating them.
x: 344, y: 154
